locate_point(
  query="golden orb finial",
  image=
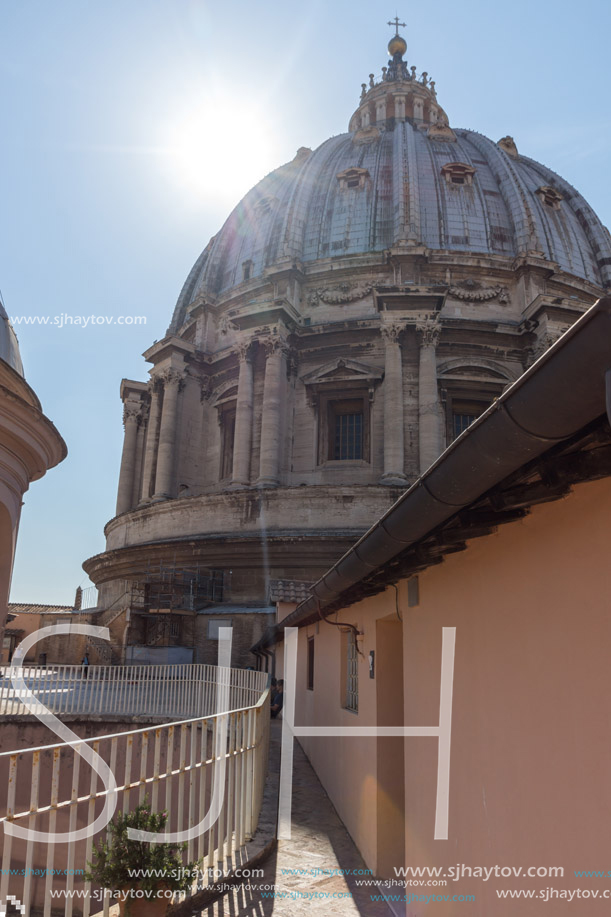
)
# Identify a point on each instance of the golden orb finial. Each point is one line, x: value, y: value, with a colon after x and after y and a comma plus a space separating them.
x: 397, y: 45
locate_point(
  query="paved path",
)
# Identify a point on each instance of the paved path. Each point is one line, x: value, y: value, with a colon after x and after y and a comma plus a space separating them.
x: 320, y: 843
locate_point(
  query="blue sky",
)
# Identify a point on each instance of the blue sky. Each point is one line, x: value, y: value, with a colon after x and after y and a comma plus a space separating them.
x: 130, y: 129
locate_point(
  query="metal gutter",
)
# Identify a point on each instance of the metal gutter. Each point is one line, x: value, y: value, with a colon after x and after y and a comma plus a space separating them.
x: 555, y: 398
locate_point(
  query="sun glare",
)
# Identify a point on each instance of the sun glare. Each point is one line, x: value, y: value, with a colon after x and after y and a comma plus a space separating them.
x: 219, y: 149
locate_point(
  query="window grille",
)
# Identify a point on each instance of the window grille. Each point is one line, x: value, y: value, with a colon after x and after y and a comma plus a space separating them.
x: 348, y: 437
x: 310, y: 663
x: 460, y: 422
x: 352, y: 677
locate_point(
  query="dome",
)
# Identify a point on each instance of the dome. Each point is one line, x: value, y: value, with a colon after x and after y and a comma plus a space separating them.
x: 391, y: 182
x: 359, y: 309
x: 9, y: 346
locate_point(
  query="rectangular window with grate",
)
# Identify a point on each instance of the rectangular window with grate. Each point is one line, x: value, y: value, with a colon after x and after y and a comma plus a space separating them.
x: 348, y: 436
x: 343, y: 427
x: 310, y: 670
x: 350, y: 671
x: 460, y: 422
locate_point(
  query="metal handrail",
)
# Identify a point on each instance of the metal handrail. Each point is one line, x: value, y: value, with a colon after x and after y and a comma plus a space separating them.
x: 173, y: 764
x: 169, y: 691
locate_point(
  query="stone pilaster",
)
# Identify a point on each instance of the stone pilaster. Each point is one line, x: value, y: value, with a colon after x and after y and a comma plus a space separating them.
x: 152, y: 438
x: 429, y: 410
x: 132, y: 415
x: 393, y: 405
x: 274, y: 395
x: 242, y: 444
x: 164, y: 478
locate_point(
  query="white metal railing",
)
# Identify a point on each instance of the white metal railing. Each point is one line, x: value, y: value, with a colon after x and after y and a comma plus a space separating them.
x: 169, y: 691
x: 174, y: 765
x: 89, y: 598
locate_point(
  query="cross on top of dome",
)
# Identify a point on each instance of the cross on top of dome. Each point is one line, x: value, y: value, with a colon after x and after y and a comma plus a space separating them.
x: 396, y: 24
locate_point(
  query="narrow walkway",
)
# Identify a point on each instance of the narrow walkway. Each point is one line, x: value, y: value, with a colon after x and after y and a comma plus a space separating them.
x: 320, y: 848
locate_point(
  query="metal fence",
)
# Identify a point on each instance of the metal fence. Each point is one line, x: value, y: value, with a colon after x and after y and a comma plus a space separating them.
x: 174, y: 766
x: 89, y: 598
x: 168, y: 691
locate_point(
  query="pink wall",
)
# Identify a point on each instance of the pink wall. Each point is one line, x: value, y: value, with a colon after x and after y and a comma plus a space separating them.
x: 531, y: 743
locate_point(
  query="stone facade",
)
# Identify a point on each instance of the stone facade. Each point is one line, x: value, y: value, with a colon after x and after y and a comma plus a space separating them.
x: 360, y: 307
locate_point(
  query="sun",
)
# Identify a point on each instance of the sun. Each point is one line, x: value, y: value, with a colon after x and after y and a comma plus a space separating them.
x: 218, y: 149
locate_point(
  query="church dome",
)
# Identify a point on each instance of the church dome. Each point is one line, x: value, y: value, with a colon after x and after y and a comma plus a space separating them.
x: 360, y: 308
x: 9, y: 346
x: 402, y: 176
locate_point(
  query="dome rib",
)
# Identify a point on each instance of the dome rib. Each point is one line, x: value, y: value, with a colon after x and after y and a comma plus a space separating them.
x: 294, y: 222
x: 406, y: 198
x: 412, y: 224
x: 511, y: 189
x: 592, y: 228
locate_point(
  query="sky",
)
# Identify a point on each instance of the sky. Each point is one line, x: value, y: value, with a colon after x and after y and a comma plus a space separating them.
x: 131, y: 128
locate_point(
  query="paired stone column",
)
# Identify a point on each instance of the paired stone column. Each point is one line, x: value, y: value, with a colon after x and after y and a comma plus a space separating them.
x: 150, y: 448
x: 164, y: 478
x: 429, y: 426
x: 393, y: 405
x: 132, y: 415
x: 242, y: 443
x: 274, y: 394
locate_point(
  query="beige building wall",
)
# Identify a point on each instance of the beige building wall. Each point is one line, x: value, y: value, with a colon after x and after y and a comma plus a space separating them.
x: 67, y: 649
x: 531, y: 746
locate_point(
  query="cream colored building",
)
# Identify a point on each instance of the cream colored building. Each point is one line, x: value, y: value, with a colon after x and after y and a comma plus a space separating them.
x: 359, y: 308
x: 29, y: 446
x: 504, y: 542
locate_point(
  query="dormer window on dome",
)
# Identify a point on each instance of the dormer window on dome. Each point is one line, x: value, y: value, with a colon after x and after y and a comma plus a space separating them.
x: 550, y: 196
x: 458, y: 173
x: 353, y: 179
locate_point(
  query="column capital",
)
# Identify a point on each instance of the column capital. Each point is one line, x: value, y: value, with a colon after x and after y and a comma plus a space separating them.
x: 429, y: 330
x: 171, y: 377
x: 154, y: 384
x: 390, y: 331
x: 244, y: 349
x: 133, y: 412
x: 273, y: 344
